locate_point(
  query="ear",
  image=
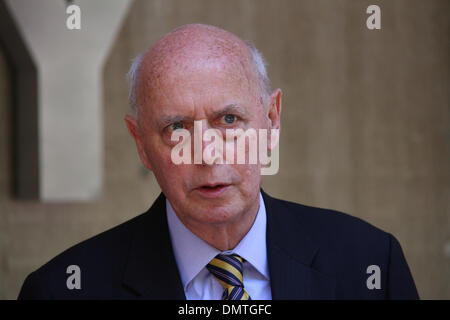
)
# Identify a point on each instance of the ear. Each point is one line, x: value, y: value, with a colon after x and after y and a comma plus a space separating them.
x: 274, y: 111
x: 135, y: 131
x: 273, y: 117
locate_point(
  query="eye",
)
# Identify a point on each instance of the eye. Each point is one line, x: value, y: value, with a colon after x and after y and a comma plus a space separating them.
x: 176, y: 126
x: 229, y: 118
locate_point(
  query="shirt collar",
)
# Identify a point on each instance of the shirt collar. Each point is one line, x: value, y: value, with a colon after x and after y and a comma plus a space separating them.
x: 192, y: 254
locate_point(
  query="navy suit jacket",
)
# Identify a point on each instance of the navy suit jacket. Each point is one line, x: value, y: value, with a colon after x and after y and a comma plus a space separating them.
x: 312, y: 254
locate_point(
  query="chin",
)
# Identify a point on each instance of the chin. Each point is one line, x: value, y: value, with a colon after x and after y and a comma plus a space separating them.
x: 217, y: 214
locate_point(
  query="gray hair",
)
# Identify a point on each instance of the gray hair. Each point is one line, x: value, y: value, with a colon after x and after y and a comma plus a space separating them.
x: 259, y: 66
x: 133, y: 78
x: 256, y: 58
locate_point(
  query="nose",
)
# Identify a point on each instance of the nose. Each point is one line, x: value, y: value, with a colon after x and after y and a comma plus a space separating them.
x: 208, y: 144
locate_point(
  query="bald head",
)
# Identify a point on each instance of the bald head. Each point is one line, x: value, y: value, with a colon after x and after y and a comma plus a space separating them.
x: 188, y: 49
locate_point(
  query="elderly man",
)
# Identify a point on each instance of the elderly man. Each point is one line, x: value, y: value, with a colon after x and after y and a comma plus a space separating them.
x: 213, y: 233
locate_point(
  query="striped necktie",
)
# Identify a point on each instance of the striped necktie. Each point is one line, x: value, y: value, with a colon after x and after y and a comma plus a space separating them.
x: 228, y: 271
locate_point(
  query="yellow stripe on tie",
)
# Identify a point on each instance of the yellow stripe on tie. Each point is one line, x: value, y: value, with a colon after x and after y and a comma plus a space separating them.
x: 228, y: 267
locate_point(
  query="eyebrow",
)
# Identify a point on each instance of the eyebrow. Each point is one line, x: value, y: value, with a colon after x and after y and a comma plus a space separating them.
x: 230, y: 108
x: 168, y: 119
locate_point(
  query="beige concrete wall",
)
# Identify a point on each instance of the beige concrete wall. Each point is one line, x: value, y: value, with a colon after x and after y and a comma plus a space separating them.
x: 365, y: 126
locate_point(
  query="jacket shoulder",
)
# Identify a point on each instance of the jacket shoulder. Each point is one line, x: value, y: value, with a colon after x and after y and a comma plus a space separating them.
x: 345, y: 245
x: 98, y: 260
x: 325, y: 224
x: 349, y: 250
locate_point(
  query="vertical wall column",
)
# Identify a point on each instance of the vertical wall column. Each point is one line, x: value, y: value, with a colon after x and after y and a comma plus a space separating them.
x: 58, y: 75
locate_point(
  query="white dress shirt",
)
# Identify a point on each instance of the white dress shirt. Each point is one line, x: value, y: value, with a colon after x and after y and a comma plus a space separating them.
x: 192, y: 254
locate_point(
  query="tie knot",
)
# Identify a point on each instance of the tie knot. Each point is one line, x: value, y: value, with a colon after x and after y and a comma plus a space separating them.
x: 227, y: 269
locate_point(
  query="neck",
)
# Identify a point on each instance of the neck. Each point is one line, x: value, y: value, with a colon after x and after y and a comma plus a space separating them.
x: 225, y: 236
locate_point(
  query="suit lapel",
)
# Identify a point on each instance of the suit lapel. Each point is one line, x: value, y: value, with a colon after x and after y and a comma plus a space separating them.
x: 151, y: 271
x: 290, y: 255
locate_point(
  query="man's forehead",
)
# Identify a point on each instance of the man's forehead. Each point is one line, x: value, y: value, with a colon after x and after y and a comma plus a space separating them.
x: 192, y: 60
x: 194, y: 47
